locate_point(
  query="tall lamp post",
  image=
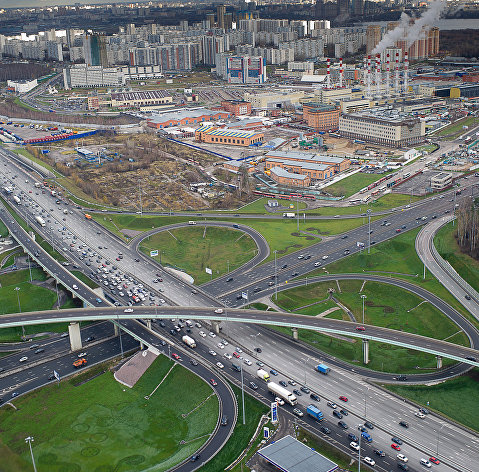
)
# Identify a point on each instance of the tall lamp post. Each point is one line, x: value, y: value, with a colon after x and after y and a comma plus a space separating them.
x: 369, y: 229
x: 17, y: 289
x: 275, y: 276
x: 29, y: 440
x: 363, y: 298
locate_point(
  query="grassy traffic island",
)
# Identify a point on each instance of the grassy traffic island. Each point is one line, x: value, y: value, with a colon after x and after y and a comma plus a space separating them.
x: 93, y: 423
x: 195, y: 248
x: 386, y: 306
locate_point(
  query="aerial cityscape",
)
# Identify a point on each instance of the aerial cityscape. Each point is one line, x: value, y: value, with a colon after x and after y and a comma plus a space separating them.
x: 239, y: 236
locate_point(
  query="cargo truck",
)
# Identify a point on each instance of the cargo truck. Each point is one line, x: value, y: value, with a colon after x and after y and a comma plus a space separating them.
x: 262, y: 374
x: 16, y: 200
x: 38, y: 184
x: 189, y: 341
x: 314, y: 412
x: 289, y: 215
x: 40, y: 220
x: 323, y: 369
x: 281, y: 392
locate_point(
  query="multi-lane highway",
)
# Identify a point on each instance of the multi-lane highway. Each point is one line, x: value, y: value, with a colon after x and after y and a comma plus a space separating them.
x: 93, y: 236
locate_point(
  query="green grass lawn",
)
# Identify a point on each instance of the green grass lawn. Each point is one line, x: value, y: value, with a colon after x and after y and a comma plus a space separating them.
x: 25, y: 153
x: 3, y: 230
x: 241, y: 433
x: 103, y: 426
x: 385, y: 306
x: 9, y: 256
x: 352, y: 184
x: 456, y: 398
x: 86, y: 280
x: 258, y: 206
x: 281, y: 235
x: 465, y: 265
x: 185, y: 248
x: 455, y: 129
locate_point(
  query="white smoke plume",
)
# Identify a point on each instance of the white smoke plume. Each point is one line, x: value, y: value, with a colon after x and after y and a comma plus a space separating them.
x: 408, y: 31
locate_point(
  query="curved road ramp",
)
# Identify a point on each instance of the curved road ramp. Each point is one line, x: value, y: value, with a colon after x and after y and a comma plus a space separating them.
x: 131, y: 371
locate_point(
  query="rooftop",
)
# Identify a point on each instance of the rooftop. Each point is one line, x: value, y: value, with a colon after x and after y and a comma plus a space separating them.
x: 291, y: 455
x: 305, y: 156
x: 303, y: 165
x: 181, y: 114
x: 284, y: 173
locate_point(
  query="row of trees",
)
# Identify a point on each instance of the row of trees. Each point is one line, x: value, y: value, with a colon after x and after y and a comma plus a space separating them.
x: 467, y: 234
x: 20, y: 70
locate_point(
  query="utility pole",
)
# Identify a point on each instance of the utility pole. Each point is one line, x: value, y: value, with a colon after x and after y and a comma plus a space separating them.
x: 242, y: 396
x: 139, y: 193
x: 275, y: 277
x: 17, y: 289
x: 369, y: 229
x: 363, y: 297
x: 297, y: 213
x: 119, y: 333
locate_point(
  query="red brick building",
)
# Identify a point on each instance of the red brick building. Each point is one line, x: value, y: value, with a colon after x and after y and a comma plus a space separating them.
x: 236, y: 107
x: 321, y: 117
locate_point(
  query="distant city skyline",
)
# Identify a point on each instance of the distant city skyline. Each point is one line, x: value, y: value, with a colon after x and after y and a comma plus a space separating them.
x: 47, y: 3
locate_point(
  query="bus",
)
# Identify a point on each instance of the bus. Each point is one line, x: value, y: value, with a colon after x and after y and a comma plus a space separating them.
x: 376, y: 192
x: 363, y: 190
x: 366, y: 199
x: 355, y: 202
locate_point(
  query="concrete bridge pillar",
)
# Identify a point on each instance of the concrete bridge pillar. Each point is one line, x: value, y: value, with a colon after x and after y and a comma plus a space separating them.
x: 439, y: 362
x: 295, y: 333
x: 75, y: 336
x: 73, y: 295
x: 142, y: 346
x: 148, y: 324
x: 116, y: 329
x: 366, y: 351
x: 216, y: 326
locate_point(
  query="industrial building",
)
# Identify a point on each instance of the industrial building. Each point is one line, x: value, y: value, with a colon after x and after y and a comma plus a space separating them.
x: 321, y: 117
x: 338, y: 164
x: 215, y: 135
x: 441, y: 181
x: 245, y: 70
x: 186, y: 117
x: 313, y: 170
x: 236, y: 107
x: 274, y: 100
x: 139, y: 99
x: 387, y: 127
x: 21, y: 86
x: 283, y: 177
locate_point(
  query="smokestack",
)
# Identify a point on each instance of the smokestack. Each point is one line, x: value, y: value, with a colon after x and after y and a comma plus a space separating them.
x: 328, y: 73
x: 365, y: 70
x: 406, y: 65
x: 387, y: 75
x: 396, y: 79
x: 340, y: 72
x: 378, y: 73
x: 369, y: 77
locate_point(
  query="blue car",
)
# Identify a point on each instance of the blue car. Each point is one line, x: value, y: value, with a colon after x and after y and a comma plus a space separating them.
x: 99, y: 300
x: 273, y: 372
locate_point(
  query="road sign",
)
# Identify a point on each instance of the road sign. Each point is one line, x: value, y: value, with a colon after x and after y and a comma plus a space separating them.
x: 208, y: 271
x: 265, y: 432
x: 274, y: 412
x: 154, y: 253
x: 244, y: 295
x: 57, y: 375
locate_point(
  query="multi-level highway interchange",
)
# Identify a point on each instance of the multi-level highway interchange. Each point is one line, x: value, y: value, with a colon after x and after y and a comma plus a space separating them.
x: 457, y: 447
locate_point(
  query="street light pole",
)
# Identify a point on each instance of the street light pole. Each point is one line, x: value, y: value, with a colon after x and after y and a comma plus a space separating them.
x: 369, y: 229
x: 359, y: 452
x: 363, y: 298
x: 242, y: 396
x: 119, y: 332
x: 29, y: 440
x: 275, y: 277
x: 17, y: 289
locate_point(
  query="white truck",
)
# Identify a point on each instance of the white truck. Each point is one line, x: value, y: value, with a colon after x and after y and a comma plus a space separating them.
x: 40, y: 220
x: 190, y: 342
x: 289, y: 215
x: 281, y: 392
x: 17, y: 200
x: 263, y: 375
x: 38, y: 184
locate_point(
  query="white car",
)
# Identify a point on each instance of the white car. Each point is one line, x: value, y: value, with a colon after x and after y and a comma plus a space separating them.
x: 213, y: 353
x: 402, y: 457
x: 220, y: 365
x: 238, y: 349
x: 227, y: 355
x: 354, y: 445
x: 128, y: 310
x: 82, y: 354
x: 23, y: 359
x: 325, y: 257
x: 419, y: 414
x: 369, y: 461
x: 221, y: 345
x: 225, y: 343
x: 75, y: 287
x: 219, y: 311
x: 247, y: 362
x: 213, y: 335
x: 279, y: 401
x: 425, y: 463
x: 202, y: 334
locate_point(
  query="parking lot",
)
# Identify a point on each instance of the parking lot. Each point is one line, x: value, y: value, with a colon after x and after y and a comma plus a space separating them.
x: 418, y: 185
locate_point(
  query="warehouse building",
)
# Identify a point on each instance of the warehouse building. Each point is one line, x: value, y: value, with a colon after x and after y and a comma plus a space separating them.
x: 383, y: 126
x: 236, y: 107
x: 186, y: 117
x: 215, y: 135
x: 140, y: 99
x: 313, y: 170
x: 441, y: 181
x: 290, y: 179
x: 338, y: 164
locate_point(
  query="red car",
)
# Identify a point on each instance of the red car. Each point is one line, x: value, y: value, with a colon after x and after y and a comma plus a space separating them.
x: 360, y: 328
x: 176, y: 356
x: 434, y: 460
x: 213, y: 382
x: 117, y: 258
x: 395, y: 446
x: 235, y: 354
x: 343, y: 398
x: 398, y: 230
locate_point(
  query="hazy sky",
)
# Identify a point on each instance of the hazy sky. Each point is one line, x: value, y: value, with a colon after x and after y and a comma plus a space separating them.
x: 36, y: 3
